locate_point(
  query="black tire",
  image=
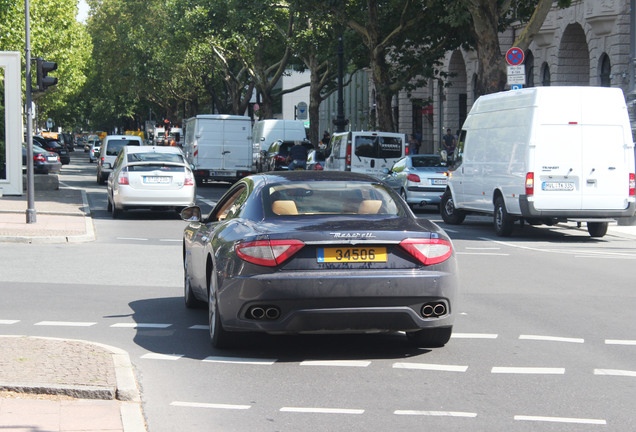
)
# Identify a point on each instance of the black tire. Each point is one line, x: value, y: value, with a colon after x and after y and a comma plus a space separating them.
x: 219, y: 337
x: 100, y: 179
x: 430, y: 338
x: 191, y: 302
x: 109, y: 205
x: 449, y: 213
x: 597, y: 229
x: 114, y: 211
x: 501, y: 220
x: 405, y: 198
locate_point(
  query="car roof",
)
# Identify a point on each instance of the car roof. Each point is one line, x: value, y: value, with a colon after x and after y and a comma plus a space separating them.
x: 130, y: 137
x: 293, y: 176
x: 154, y: 149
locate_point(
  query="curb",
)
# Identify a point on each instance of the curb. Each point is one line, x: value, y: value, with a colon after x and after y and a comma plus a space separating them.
x: 126, y: 390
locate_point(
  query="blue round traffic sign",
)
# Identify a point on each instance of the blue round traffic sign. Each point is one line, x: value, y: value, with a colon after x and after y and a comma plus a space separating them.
x: 515, y: 56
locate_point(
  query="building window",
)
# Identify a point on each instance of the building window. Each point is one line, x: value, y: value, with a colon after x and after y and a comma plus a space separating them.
x: 545, y: 75
x: 606, y: 71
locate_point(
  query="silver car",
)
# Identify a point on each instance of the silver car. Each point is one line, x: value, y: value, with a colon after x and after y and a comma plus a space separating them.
x: 150, y: 177
x: 419, y: 179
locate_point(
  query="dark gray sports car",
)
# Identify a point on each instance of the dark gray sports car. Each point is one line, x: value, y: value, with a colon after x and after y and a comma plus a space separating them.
x: 318, y: 252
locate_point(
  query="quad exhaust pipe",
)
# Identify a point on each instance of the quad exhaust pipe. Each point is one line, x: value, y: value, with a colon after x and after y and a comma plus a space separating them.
x: 434, y: 309
x: 263, y: 313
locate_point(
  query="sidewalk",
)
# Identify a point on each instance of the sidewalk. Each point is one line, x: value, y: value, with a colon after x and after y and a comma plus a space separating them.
x: 61, y: 216
x: 49, y: 384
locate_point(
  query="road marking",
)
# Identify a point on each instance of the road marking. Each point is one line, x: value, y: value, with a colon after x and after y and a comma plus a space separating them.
x: 9, y: 321
x: 474, y: 336
x: 619, y: 342
x: 65, y: 324
x: 210, y: 405
x: 240, y: 360
x: 321, y: 410
x: 482, y: 253
x: 483, y: 248
x: 131, y: 238
x: 140, y: 325
x: 345, y: 363
x: 436, y: 413
x: 199, y: 327
x: 429, y: 366
x: 560, y: 419
x: 551, y: 338
x: 528, y: 370
x: 157, y: 356
x: 614, y: 372
x: 171, y: 240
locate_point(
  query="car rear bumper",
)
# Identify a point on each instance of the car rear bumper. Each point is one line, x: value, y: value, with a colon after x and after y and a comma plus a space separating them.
x: 425, y: 194
x: 128, y: 197
x: 341, y: 301
x: 529, y: 211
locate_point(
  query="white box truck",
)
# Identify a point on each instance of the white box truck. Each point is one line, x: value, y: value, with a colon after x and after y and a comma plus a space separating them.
x: 544, y: 155
x: 219, y: 146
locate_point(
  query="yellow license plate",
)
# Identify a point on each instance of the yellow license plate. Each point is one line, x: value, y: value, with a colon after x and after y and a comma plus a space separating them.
x: 352, y: 254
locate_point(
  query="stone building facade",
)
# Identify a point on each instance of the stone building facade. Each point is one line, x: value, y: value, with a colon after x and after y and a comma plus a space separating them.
x: 586, y: 44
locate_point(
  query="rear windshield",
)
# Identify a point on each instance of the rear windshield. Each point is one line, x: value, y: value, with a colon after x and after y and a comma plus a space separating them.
x: 113, y: 146
x: 427, y: 161
x: 329, y: 197
x: 155, y: 157
x: 373, y: 146
x: 155, y: 167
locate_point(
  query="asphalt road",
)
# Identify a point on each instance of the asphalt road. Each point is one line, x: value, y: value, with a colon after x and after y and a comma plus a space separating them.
x: 544, y: 338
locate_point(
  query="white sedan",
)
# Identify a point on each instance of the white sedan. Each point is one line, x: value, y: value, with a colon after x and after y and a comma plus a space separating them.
x: 150, y: 177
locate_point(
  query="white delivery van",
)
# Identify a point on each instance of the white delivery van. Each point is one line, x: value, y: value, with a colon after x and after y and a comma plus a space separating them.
x: 364, y: 152
x: 219, y: 146
x: 266, y: 132
x: 544, y: 155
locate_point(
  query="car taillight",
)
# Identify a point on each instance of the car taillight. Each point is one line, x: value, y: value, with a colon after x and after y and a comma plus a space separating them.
x: 530, y: 184
x: 348, y: 167
x: 413, y: 177
x: 428, y: 251
x: 268, y: 252
x: 279, y: 158
x: 318, y: 167
x: 39, y: 157
x: 632, y: 184
x: 189, y: 181
x: 123, y: 178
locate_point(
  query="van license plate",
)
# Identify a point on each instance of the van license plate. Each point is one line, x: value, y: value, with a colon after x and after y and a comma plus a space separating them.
x: 439, y: 181
x: 352, y: 254
x: 557, y: 186
x: 221, y: 174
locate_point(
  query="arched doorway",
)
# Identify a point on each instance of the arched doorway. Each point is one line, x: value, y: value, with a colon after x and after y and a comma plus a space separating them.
x: 456, y: 97
x: 546, y: 79
x: 574, y: 57
x: 605, y: 71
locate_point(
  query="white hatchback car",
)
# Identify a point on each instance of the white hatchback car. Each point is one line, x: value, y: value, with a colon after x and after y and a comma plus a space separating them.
x: 150, y: 177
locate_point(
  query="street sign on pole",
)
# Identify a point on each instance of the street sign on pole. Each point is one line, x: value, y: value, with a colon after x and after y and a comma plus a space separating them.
x: 515, y: 56
x: 516, y: 75
x: 302, y: 111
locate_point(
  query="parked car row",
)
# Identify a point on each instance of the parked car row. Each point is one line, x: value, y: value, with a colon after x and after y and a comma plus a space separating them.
x: 44, y: 161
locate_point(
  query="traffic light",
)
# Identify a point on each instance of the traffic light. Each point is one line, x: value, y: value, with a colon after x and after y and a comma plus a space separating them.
x: 44, y: 67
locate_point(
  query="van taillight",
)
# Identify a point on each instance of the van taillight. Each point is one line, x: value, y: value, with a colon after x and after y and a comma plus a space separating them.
x: 632, y: 184
x: 530, y: 183
x: 348, y: 167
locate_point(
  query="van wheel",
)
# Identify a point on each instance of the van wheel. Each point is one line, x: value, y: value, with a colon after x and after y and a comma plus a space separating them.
x: 449, y: 213
x: 502, y: 221
x: 597, y: 229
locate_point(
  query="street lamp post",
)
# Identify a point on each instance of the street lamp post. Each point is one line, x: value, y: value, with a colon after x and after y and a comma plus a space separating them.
x: 31, y: 215
x: 340, y: 121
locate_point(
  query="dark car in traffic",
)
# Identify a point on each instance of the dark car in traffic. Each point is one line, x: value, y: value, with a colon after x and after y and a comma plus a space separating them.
x: 275, y: 158
x: 318, y: 252
x: 53, y: 145
x: 44, y: 162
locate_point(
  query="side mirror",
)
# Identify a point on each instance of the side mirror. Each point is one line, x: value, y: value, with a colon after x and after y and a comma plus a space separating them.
x: 386, y: 171
x: 191, y: 214
x: 106, y: 165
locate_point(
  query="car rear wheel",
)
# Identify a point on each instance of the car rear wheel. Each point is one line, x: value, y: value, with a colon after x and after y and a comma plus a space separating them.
x: 597, y: 229
x: 219, y: 337
x: 430, y: 338
x: 449, y: 213
x: 114, y: 211
x: 109, y: 205
x: 502, y: 221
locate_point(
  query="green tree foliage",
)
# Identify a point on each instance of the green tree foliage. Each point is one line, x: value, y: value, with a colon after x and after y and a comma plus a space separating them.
x: 55, y: 36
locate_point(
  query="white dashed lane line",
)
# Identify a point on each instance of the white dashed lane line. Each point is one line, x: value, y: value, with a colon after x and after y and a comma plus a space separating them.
x: 551, y: 339
x: 528, y: 370
x: 157, y: 356
x: 210, y: 405
x: 430, y: 367
x: 435, y: 413
x: 615, y: 372
x: 140, y: 325
x: 560, y: 420
x: 65, y: 324
x: 9, y: 322
x: 316, y: 410
x: 342, y: 363
x: 240, y: 360
x: 619, y: 342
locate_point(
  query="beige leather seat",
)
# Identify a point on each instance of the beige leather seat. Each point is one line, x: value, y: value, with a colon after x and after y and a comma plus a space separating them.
x: 284, y: 207
x: 369, y: 207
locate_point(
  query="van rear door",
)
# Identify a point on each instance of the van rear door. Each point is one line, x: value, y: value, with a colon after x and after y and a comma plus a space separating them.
x: 372, y: 152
